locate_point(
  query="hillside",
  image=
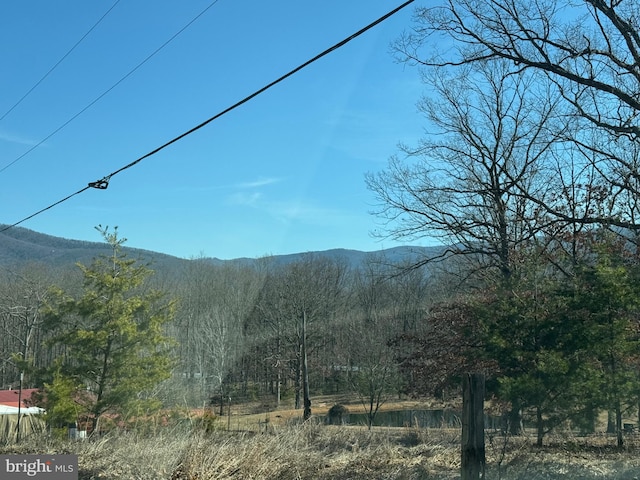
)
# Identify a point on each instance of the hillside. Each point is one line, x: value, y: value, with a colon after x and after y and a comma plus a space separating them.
x: 19, y: 246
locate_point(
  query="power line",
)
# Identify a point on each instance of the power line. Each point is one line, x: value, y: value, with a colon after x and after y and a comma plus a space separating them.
x: 45, y: 209
x: 103, y: 183
x: 59, y: 61
x: 108, y: 90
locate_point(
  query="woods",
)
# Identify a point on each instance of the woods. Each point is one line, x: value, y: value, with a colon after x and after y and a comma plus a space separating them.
x: 113, y: 341
x: 528, y: 171
x: 556, y: 339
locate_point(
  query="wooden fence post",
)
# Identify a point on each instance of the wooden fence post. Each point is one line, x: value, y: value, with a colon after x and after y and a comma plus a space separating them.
x: 473, y: 453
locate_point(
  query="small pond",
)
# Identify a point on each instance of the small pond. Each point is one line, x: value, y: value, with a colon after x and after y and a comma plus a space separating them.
x: 418, y: 418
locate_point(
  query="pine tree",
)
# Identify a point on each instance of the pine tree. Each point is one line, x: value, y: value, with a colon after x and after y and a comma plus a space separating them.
x: 607, y: 302
x: 112, y: 337
x: 539, y: 350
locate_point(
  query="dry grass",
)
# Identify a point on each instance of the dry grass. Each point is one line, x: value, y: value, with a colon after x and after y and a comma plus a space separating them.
x: 315, y: 451
x: 308, y: 451
x: 563, y: 456
x: 277, y: 445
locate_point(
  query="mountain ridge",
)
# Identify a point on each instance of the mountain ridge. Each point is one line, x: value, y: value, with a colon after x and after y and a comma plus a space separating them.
x: 19, y: 245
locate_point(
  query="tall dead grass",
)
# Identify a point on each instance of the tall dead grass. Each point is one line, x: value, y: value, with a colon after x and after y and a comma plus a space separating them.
x: 306, y: 451
x: 313, y: 451
x: 309, y: 451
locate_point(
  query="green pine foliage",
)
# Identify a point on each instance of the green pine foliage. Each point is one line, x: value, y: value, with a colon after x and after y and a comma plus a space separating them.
x: 534, y: 351
x: 112, y: 336
x: 565, y: 347
x: 59, y: 402
x: 606, y: 304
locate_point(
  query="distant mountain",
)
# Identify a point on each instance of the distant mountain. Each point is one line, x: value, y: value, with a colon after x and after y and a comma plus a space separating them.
x: 353, y: 258
x: 20, y: 246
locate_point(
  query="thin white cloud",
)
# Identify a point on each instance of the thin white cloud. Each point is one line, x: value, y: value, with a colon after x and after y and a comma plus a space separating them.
x: 261, y: 182
x: 20, y: 140
x: 247, y: 193
x: 293, y: 211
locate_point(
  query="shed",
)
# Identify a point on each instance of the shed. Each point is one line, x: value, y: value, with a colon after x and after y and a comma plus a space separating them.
x: 30, y: 419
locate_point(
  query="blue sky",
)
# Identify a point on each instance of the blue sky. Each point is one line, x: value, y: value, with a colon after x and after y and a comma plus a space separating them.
x: 283, y: 173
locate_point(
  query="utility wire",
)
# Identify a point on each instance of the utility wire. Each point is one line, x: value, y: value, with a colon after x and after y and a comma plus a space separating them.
x: 108, y: 90
x: 59, y: 61
x: 103, y: 183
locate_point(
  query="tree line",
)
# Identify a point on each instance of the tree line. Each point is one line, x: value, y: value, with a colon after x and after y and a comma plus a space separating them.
x: 110, y: 339
x: 555, y: 347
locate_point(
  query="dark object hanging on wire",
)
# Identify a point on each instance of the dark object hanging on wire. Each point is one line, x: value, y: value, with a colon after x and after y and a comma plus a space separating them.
x: 101, y: 184
x: 104, y: 182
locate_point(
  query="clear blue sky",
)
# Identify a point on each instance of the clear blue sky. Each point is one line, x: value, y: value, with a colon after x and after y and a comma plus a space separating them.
x: 283, y: 173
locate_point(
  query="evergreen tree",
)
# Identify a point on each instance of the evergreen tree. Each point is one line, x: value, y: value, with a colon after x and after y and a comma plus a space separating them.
x: 566, y: 346
x: 112, y: 337
x: 606, y: 302
x: 539, y: 350
x: 58, y: 400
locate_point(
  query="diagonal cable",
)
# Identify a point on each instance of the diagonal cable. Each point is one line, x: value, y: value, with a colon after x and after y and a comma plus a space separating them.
x: 103, y: 183
x: 108, y: 90
x: 59, y: 61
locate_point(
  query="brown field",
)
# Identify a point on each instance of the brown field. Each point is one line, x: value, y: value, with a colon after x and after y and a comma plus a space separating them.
x: 277, y: 446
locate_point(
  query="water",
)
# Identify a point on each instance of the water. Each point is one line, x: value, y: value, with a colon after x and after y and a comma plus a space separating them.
x: 438, y: 418
x: 410, y: 418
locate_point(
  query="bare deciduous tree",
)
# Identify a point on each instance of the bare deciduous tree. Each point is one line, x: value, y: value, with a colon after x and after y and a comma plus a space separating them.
x: 295, y: 299
x: 22, y: 295
x: 587, y: 51
x: 216, y: 303
x: 489, y: 141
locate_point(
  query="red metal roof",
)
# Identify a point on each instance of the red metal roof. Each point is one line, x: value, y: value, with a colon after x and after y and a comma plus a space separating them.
x: 10, y: 397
